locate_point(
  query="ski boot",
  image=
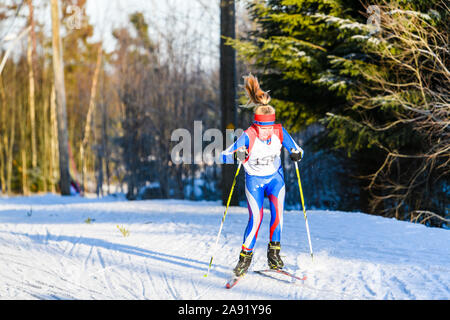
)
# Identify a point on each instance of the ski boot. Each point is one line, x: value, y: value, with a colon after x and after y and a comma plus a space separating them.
x: 273, y: 256
x: 245, y: 259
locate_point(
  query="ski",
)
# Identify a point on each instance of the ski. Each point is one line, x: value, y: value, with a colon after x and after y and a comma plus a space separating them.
x: 266, y: 272
x: 233, y: 281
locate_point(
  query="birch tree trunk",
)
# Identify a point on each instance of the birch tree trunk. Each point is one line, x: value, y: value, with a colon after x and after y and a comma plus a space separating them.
x: 9, y: 162
x: 4, y: 134
x: 60, y: 91
x: 31, y: 96
x: 53, y: 165
x: 89, y: 117
x: 23, y: 151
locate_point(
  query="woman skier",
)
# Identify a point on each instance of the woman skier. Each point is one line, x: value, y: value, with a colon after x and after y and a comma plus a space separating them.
x: 259, y: 149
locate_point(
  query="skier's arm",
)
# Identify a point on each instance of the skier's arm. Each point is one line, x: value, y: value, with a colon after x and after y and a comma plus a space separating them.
x: 289, y: 143
x: 228, y: 154
x: 291, y: 146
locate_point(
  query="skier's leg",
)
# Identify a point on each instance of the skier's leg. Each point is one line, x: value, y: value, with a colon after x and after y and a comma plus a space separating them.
x: 255, y: 201
x: 276, y: 194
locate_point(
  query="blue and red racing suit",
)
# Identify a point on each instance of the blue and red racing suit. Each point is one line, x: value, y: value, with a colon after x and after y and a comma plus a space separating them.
x: 263, y: 175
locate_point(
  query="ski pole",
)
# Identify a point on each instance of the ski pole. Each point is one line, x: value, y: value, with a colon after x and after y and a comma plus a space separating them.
x: 304, y: 210
x: 223, y: 218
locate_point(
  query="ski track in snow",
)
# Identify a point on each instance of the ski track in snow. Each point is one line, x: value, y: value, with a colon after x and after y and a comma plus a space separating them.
x: 54, y: 254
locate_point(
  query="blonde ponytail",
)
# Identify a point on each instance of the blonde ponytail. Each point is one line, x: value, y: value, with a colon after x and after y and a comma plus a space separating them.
x: 254, y: 92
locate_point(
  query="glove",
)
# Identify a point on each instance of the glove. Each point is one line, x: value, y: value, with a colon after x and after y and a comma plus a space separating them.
x: 296, y: 155
x: 241, y: 154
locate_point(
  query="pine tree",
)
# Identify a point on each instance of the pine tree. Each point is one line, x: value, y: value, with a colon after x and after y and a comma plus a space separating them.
x: 307, y: 53
x: 324, y: 63
x: 400, y: 111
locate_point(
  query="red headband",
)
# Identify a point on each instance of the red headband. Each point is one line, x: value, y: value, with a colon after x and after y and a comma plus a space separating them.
x: 264, y: 119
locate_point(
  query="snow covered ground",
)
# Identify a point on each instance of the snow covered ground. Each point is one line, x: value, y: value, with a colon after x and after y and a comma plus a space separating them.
x: 71, y: 248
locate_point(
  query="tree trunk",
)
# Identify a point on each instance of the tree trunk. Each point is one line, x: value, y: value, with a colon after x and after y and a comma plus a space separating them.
x: 58, y: 69
x: 9, y: 162
x: 53, y: 166
x: 31, y: 96
x: 23, y: 152
x: 227, y: 87
x: 2, y: 169
x: 105, y: 146
x: 3, y: 132
x: 89, y: 117
x: 9, y: 137
x: 45, y: 150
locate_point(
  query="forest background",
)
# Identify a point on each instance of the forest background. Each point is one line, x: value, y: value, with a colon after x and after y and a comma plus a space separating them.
x: 91, y: 92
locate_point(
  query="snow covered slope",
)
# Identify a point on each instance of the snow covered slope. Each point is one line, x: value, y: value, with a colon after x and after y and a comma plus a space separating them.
x: 71, y: 248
